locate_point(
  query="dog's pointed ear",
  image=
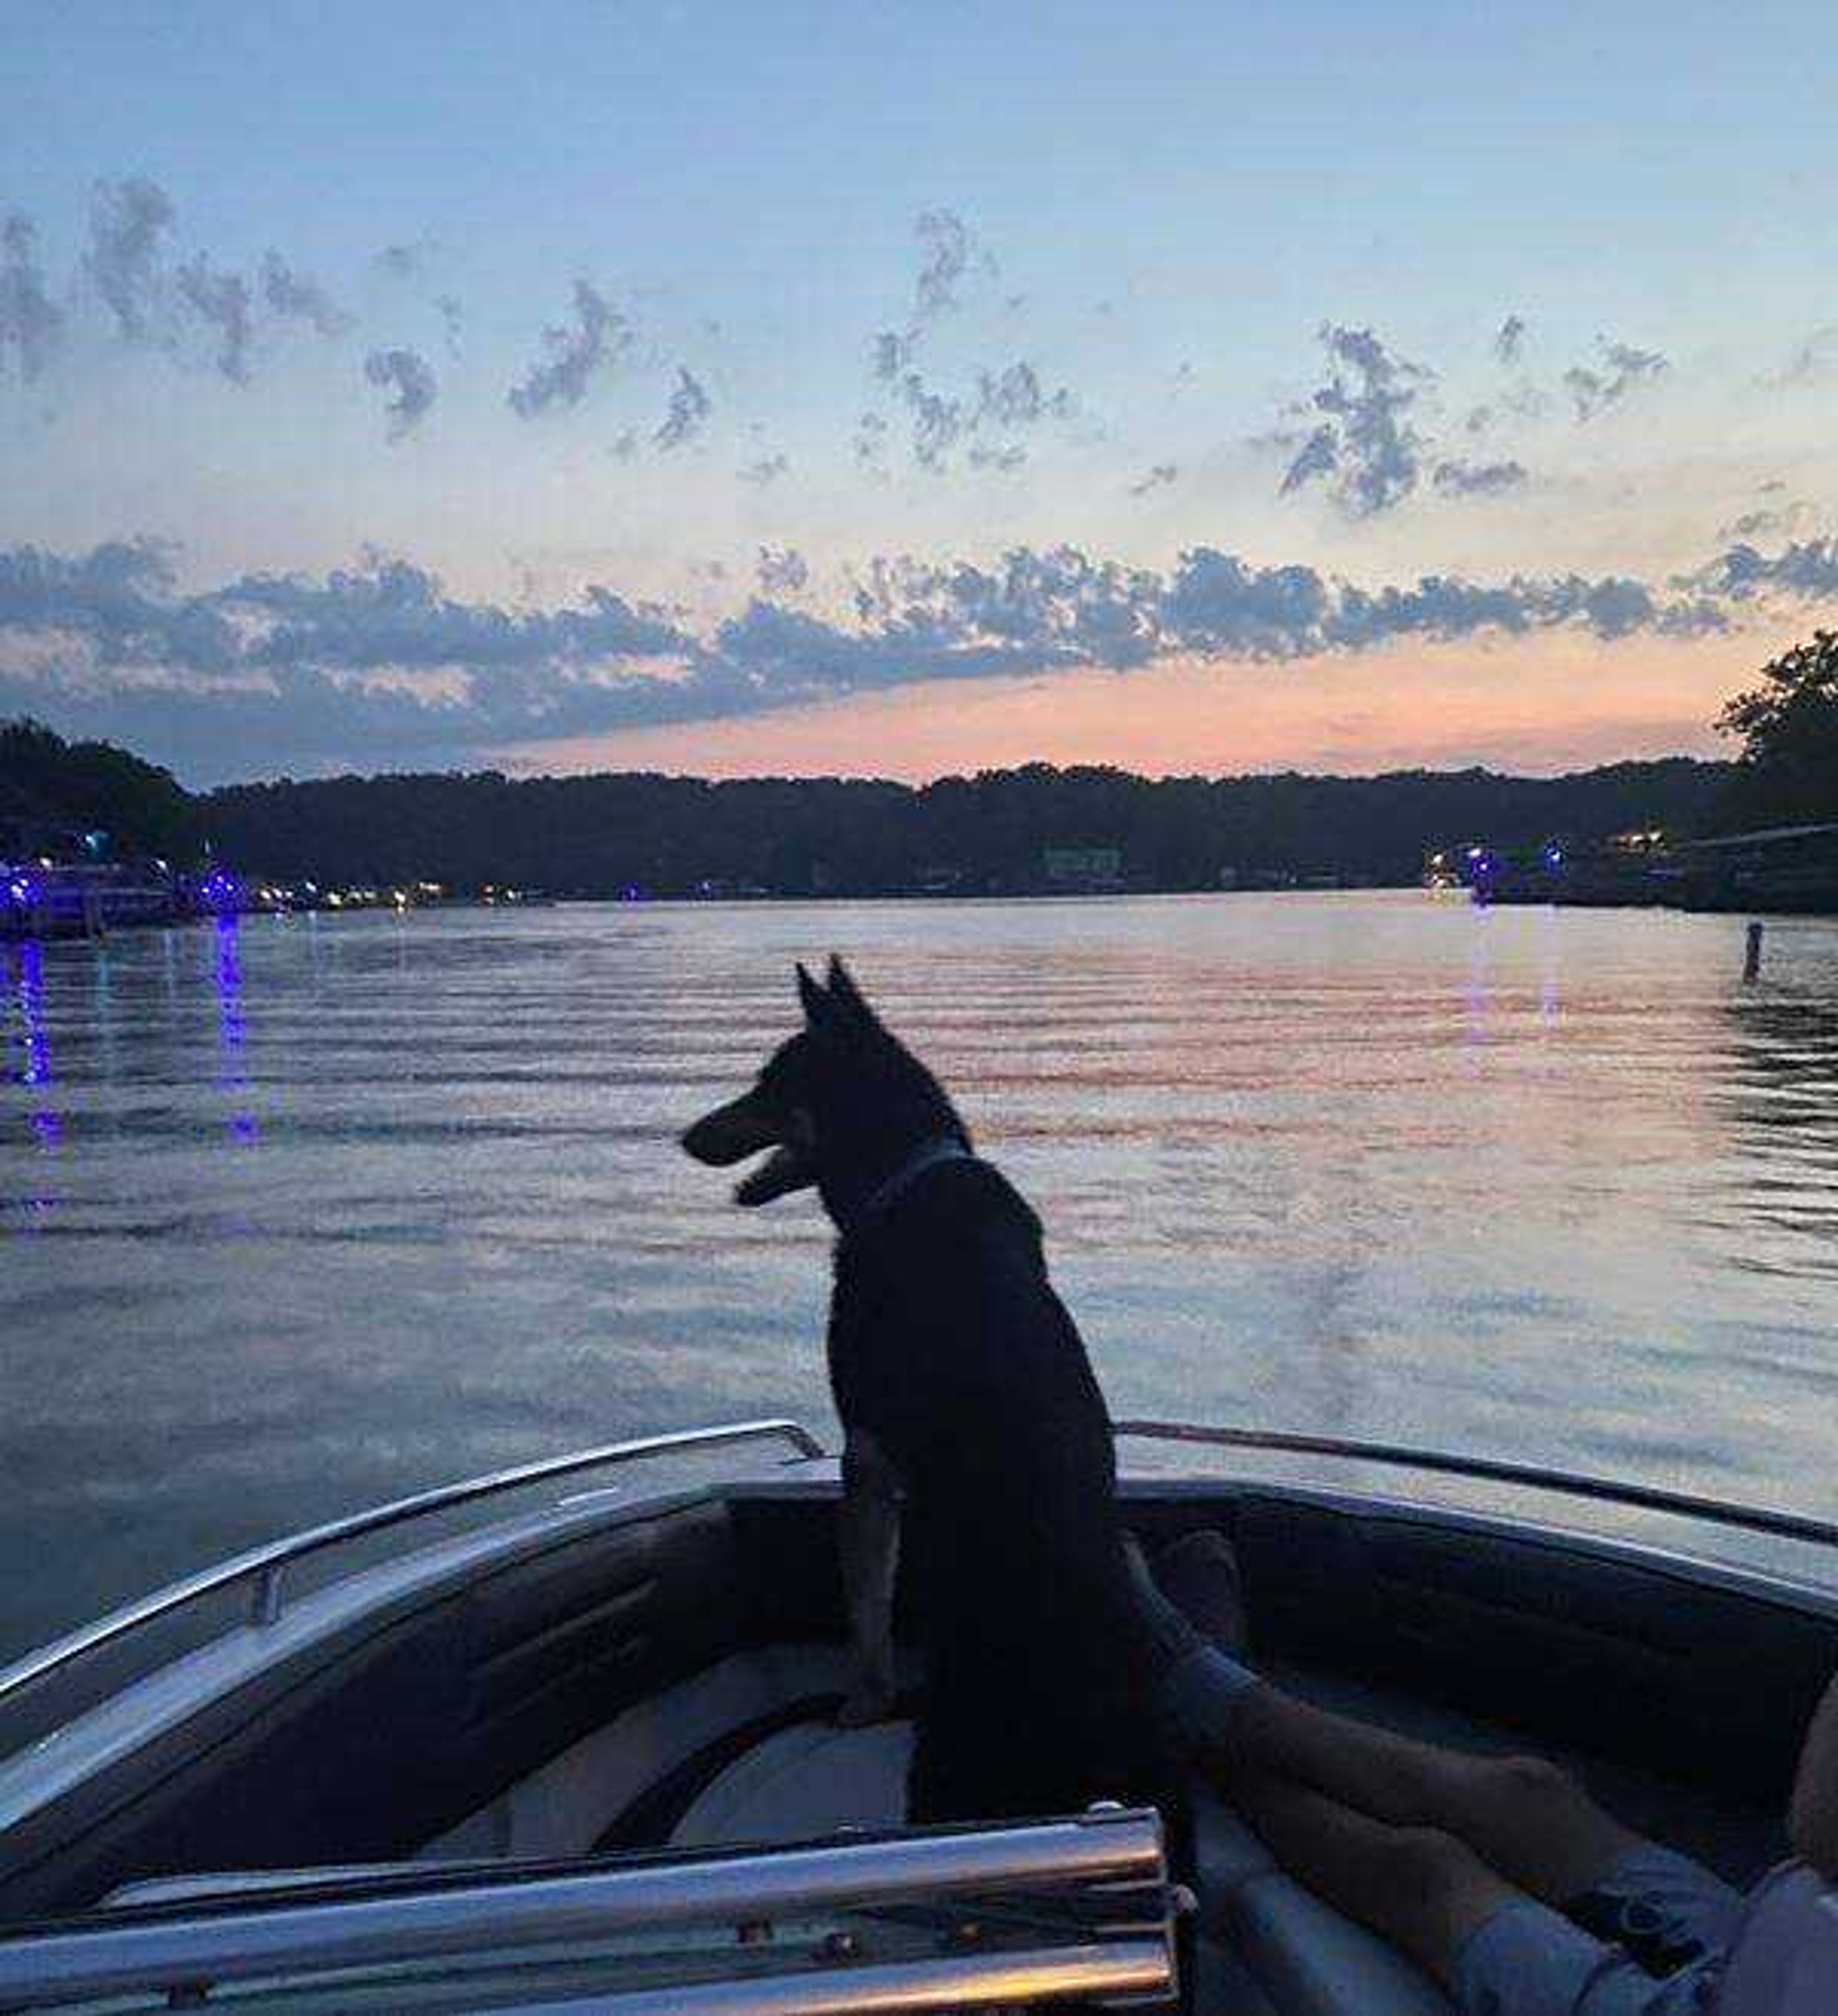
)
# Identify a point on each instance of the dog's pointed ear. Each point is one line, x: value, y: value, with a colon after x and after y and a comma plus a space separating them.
x: 820, y: 1011
x: 846, y: 994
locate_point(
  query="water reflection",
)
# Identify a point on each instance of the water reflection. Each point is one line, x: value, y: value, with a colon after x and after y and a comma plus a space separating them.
x: 227, y: 968
x: 1533, y: 1184
x: 46, y: 1122
x: 1783, y: 1107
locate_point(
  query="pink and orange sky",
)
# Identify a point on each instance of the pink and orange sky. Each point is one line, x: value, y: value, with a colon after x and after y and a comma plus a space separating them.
x: 894, y: 391
x: 1546, y: 705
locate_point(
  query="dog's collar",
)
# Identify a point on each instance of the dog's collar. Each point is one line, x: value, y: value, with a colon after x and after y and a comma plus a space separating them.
x: 945, y: 1148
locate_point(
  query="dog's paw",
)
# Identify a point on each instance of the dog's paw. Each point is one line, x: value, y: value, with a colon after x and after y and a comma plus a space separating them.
x: 870, y: 1701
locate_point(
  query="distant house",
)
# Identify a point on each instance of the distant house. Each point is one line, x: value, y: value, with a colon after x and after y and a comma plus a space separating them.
x: 1067, y: 868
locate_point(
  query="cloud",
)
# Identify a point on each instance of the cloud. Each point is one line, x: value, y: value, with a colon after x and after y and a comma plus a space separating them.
x: 782, y: 571
x: 405, y: 261
x: 119, y: 602
x: 1619, y: 370
x: 948, y: 246
x: 1365, y: 450
x: 1814, y: 362
x: 624, y: 447
x: 998, y: 401
x: 574, y: 355
x: 768, y: 469
x: 31, y: 324
x: 1002, y: 402
x: 892, y: 353
x: 1510, y: 340
x: 939, y: 422
x: 1803, y: 570
x: 1783, y: 520
x: 1478, y: 479
x: 871, y: 441
x: 220, y: 300
x: 129, y: 221
x: 1158, y: 478
x: 409, y: 379
x: 451, y: 310
x: 293, y: 297
x: 689, y: 409
x: 1013, y: 397
x: 378, y: 663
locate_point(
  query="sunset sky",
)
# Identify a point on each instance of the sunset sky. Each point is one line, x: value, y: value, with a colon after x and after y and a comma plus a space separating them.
x: 894, y: 390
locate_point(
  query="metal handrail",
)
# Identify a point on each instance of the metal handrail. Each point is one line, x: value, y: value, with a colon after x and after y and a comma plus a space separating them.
x: 266, y: 1565
x: 1120, y: 1974
x: 1652, y: 1498
x: 1103, y: 1855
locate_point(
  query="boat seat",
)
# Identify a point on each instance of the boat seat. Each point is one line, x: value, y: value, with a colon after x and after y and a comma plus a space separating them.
x: 1306, y: 1958
x: 810, y: 1779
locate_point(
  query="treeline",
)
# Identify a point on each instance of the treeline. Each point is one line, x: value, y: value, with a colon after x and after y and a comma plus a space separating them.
x: 49, y: 787
x: 602, y: 835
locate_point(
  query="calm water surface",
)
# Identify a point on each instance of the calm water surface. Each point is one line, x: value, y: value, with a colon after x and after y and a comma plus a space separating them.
x: 301, y: 1214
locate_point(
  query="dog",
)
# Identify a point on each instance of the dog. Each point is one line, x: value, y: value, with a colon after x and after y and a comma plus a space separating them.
x: 977, y: 1448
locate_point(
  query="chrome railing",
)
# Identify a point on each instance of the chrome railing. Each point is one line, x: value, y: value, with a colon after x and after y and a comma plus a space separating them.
x: 1645, y: 1497
x: 264, y: 1568
x: 1114, y: 1935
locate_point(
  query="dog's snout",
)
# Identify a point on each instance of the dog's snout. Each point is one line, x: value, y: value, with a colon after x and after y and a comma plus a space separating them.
x: 741, y: 1127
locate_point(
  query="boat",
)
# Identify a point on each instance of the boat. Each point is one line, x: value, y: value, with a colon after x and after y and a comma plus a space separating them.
x: 563, y: 1738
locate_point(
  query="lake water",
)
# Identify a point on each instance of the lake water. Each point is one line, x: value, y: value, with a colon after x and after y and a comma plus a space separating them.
x: 306, y: 1212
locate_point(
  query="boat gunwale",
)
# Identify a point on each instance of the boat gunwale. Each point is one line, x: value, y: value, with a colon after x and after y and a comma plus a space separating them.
x: 263, y: 1564
x: 1570, y: 1484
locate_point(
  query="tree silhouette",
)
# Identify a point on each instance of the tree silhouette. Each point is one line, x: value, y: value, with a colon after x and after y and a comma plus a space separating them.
x: 1788, y: 773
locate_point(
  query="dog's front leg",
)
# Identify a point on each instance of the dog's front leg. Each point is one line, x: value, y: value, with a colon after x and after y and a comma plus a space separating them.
x: 867, y: 1541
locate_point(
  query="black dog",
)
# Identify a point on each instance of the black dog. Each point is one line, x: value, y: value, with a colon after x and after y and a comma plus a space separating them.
x: 961, y: 1383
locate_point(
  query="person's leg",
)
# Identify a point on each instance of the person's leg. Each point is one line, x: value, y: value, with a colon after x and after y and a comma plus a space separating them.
x: 1523, y: 1815
x: 1423, y: 1890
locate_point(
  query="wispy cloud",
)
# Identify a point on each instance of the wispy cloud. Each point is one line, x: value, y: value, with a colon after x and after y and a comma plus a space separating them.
x: 782, y: 571
x: 1000, y: 402
x: 1814, y: 362
x: 1158, y: 476
x: 293, y: 297
x: 408, y: 378
x: 1366, y: 449
x: 31, y: 324
x: 574, y: 355
x: 130, y: 221
x: 767, y: 469
x: 1510, y: 340
x: 403, y: 261
x: 1458, y: 478
x: 689, y: 409
x: 221, y: 301
x: 1618, y: 370
x: 949, y: 248
x: 1805, y: 570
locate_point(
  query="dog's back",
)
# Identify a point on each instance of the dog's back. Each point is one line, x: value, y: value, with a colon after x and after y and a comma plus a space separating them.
x: 949, y: 1346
